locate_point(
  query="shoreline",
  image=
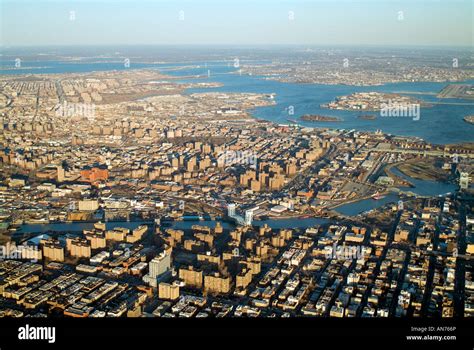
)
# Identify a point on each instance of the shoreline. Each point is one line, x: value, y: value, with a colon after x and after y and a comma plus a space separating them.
x: 185, y: 90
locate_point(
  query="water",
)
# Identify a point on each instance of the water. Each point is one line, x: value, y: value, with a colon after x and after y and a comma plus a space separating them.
x: 426, y: 187
x: 180, y: 225
x: 422, y: 188
x: 439, y: 124
x: 364, y: 205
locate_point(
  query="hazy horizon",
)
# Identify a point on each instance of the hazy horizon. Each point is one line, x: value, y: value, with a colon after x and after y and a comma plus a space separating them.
x: 244, y: 45
x: 381, y: 23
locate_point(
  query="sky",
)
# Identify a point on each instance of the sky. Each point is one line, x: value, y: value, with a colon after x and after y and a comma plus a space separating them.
x: 232, y: 22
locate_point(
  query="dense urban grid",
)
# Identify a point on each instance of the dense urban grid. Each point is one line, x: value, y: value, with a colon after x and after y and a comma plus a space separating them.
x: 132, y: 157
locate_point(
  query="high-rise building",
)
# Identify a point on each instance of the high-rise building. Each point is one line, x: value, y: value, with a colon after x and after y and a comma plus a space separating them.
x: 79, y: 247
x: 217, y: 284
x: 53, y: 250
x: 464, y: 180
x: 168, y: 291
x: 61, y: 174
x: 159, y: 267
x: 191, y: 277
x: 231, y: 210
x: 248, y: 217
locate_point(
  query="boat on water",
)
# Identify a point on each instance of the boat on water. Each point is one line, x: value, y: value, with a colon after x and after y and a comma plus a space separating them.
x: 377, y: 196
x: 469, y: 119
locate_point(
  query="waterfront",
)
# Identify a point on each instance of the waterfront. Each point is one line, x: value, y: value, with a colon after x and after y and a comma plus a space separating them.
x: 179, y: 225
x: 441, y: 123
x: 208, y: 160
x: 421, y: 188
x: 307, y: 99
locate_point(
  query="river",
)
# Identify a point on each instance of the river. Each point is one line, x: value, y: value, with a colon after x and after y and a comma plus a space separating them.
x: 440, y: 123
x: 422, y: 188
